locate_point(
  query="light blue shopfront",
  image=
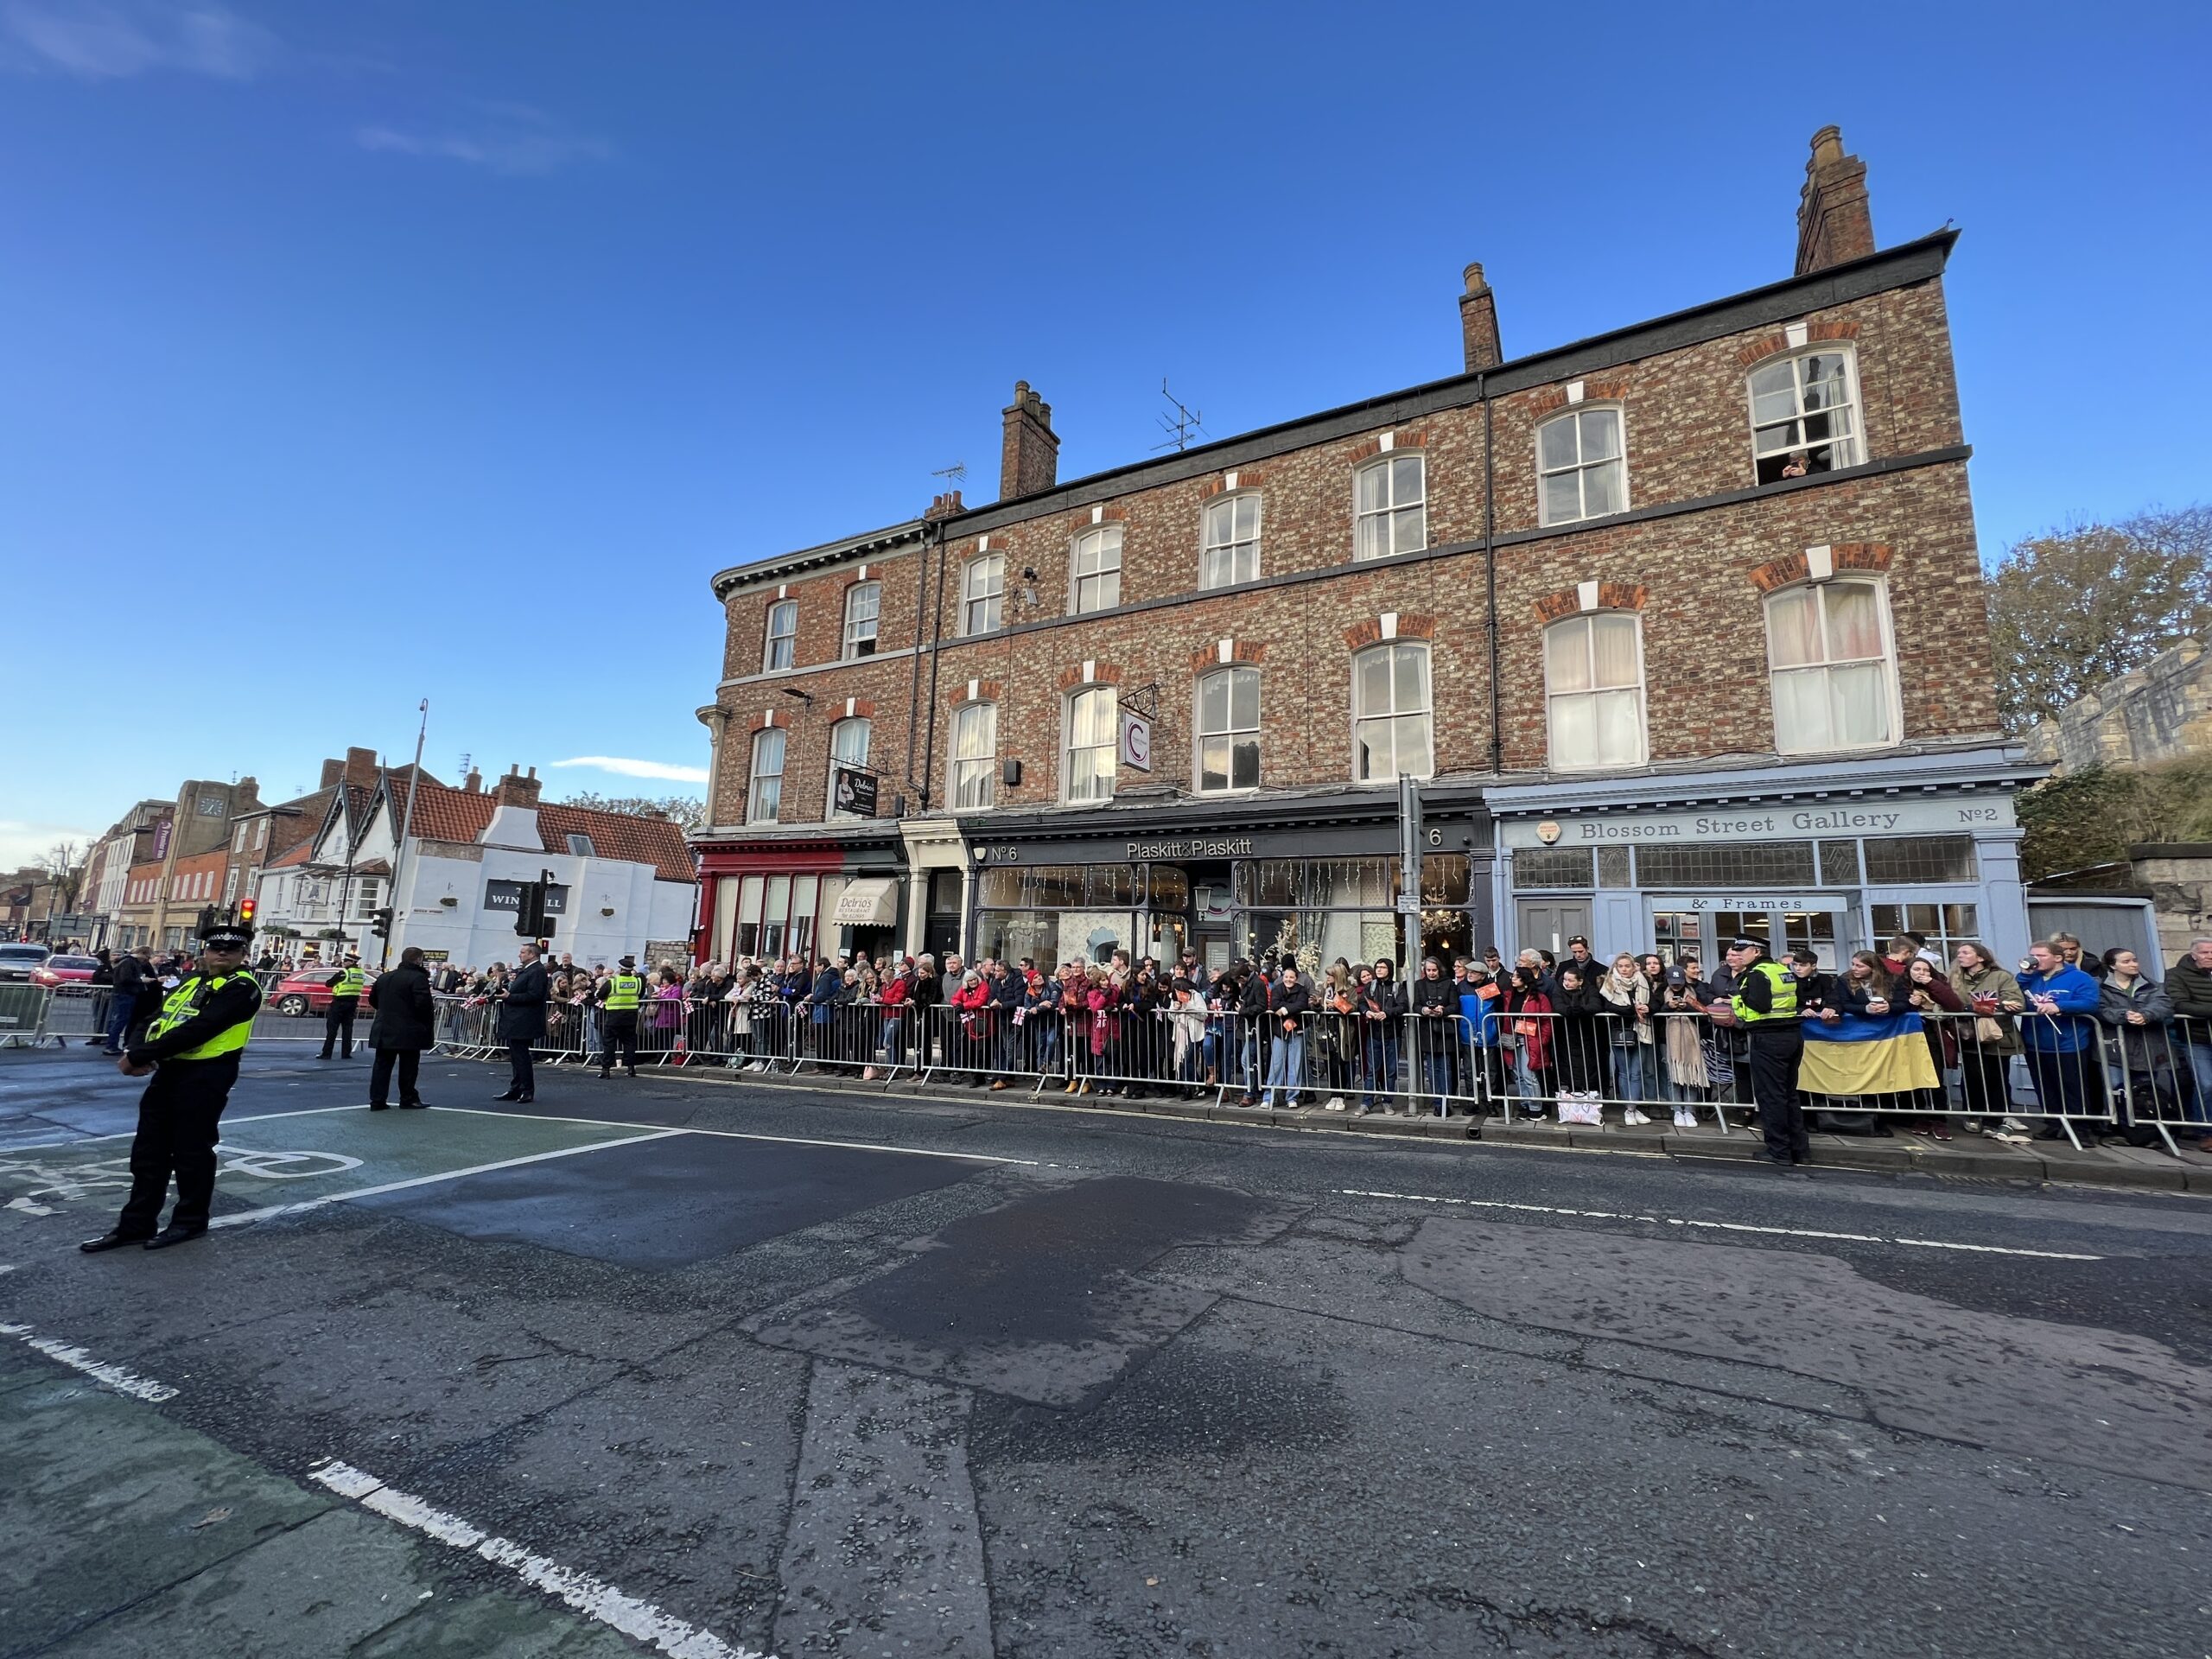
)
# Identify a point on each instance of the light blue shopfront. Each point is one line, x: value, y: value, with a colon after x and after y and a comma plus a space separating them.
x: 1834, y: 855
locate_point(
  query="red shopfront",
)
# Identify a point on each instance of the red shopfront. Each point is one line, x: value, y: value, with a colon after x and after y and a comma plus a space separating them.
x: 772, y: 900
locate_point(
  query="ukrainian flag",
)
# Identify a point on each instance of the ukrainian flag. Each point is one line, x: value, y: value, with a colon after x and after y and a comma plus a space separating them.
x: 1866, y: 1054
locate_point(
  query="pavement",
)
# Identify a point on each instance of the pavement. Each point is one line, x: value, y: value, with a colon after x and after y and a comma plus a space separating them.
x: 709, y: 1366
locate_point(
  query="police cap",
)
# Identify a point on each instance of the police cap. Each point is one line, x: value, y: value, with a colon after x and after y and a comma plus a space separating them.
x: 226, y: 935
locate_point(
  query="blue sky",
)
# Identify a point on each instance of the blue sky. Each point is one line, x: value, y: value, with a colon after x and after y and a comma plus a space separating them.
x: 350, y: 354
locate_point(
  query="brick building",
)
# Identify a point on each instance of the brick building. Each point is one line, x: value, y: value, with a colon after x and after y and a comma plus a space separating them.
x: 1681, y: 626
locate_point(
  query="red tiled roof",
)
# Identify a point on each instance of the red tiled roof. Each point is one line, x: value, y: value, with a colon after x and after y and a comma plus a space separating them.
x: 298, y: 855
x: 656, y: 841
x: 442, y: 813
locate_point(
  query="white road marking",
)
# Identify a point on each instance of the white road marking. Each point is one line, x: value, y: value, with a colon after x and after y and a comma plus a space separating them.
x: 114, y: 1377
x: 228, y: 1122
x: 301, y: 1206
x: 739, y: 1134
x: 1720, y: 1226
x: 637, y: 1619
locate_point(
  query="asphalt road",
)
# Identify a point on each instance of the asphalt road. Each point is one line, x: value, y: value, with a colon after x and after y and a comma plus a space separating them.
x: 802, y: 1374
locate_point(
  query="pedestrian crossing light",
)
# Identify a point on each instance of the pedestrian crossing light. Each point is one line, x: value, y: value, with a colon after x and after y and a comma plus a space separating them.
x: 380, y: 923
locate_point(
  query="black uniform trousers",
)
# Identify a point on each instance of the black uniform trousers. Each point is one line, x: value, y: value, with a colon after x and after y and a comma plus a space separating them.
x: 410, y: 1066
x: 618, y: 1030
x: 524, y: 1081
x: 339, y: 1020
x: 176, y: 1140
x: 1776, y: 1049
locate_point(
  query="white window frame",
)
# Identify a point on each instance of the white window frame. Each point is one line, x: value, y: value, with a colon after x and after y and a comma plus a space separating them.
x: 1385, y: 516
x: 1856, y: 443
x: 1111, y: 746
x: 757, y: 781
x: 981, y: 770
x: 1230, y: 732
x: 1894, y: 702
x: 786, y: 609
x: 1360, y: 716
x: 856, y: 643
x: 982, y: 581
x: 1580, y: 468
x: 1231, y: 549
x: 1095, y: 570
x: 829, y: 811
x: 1587, y: 621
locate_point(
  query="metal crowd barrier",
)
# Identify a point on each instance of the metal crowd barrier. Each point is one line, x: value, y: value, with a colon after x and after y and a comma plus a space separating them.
x: 2012, y: 1074
x: 23, y: 1015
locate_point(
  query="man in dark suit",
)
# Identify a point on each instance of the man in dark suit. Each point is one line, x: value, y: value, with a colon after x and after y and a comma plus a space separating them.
x: 522, y: 1022
x: 405, y: 1024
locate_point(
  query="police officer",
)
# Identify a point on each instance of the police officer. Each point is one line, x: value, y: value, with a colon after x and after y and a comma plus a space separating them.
x: 618, y: 1027
x: 1766, y: 1006
x: 344, y: 1001
x: 192, y: 1048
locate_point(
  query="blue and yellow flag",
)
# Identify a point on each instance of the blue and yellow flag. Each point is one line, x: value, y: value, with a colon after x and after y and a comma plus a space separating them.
x: 1867, y: 1054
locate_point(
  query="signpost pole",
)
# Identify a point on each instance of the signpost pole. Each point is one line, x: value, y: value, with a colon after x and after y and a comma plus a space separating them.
x: 1409, y: 870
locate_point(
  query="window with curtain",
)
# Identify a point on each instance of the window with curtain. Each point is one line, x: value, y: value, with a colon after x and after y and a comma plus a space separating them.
x: 847, y: 747
x: 864, y: 608
x: 781, y: 650
x: 1391, y: 713
x: 1805, y: 415
x: 1581, y: 472
x: 1094, y: 738
x: 982, y: 590
x: 974, y: 755
x: 1593, y: 689
x: 1391, y: 511
x: 1834, y: 680
x: 1228, y: 730
x: 1232, y: 542
x: 1098, y: 569
x: 764, y: 795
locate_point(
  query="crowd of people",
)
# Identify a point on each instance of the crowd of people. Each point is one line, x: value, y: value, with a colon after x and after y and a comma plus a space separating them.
x: 2097, y: 1039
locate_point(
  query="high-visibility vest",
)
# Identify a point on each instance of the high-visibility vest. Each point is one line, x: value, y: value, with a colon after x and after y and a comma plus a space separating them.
x: 350, y: 982
x: 1783, y: 986
x: 184, y: 1001
x: 622, y: 993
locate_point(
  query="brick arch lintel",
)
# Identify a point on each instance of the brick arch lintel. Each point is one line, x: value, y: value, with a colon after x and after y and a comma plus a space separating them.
x: 1101, y: 674
x: 1870, y: 557
x: 1554, y: 399
x: 1768, y: 346
x: 1415, y: 437
x: 1248, y: 477
x: 1612, y: 596
x: 1408, y: 625
x: 1241, y: 652
x: 974, y: 691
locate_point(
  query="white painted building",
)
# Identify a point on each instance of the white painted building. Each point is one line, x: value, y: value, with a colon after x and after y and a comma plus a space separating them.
x: 620, y: 882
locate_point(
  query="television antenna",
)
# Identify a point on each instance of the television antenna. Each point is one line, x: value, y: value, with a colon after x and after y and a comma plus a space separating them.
x: 1182, y: 425
x: 955, y: 474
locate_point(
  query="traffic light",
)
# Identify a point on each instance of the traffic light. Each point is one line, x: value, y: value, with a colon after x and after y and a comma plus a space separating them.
x: 380, y: 922
x: 246, y: 907
x: 530, y: 913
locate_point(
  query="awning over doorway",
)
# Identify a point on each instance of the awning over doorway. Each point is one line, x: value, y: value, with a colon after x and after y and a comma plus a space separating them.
x: 867, y: 901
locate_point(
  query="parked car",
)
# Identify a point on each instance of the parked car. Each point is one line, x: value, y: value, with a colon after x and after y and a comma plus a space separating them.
x: 20, y: 962
x: 67, y: 976
x: 305, y: 992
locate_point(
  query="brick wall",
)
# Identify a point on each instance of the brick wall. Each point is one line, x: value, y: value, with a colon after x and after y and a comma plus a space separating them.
x: 1687, y: 422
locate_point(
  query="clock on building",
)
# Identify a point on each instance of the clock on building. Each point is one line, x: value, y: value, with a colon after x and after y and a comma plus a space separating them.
x: 212, y: 806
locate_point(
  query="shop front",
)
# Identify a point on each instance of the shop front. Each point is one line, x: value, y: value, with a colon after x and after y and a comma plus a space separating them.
x: 813, y: 896
x: 1831, y: 860
x: 1311, y: 881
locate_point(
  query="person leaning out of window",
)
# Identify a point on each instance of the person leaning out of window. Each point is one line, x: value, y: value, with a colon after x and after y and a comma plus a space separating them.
x: 1988, y: 1046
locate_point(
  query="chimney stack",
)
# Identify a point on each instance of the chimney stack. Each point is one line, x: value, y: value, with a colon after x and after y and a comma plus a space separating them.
x: 361, y: 766
x: 474, y: 784
x: 1834, y: 221
x: 332, y: 772
x: 1478, y: 322
x: 516, y: 790
x: 1029, y: 459
x: 946, y: 505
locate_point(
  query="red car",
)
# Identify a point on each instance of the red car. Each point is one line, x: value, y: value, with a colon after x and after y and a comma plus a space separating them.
x: 67, y: 976
x: 307, y: 991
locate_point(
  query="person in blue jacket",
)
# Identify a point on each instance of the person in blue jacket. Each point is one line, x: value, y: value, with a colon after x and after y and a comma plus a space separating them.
x: 2062, y: 1037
